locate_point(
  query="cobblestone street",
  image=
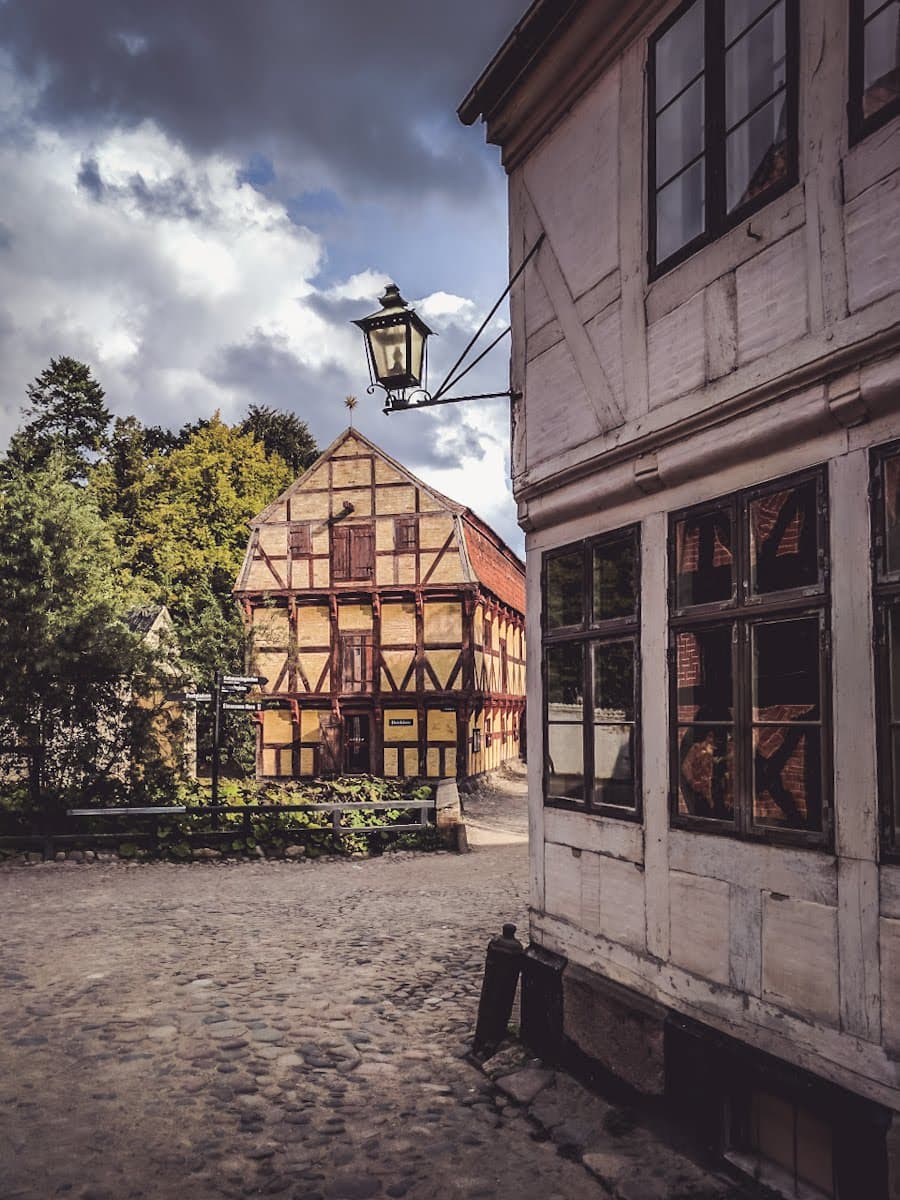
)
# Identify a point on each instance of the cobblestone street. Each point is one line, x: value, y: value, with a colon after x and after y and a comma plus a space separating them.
x: 271, y: 1028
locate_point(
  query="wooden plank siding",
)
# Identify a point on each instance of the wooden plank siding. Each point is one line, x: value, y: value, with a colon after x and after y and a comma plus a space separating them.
x: 363, y: 603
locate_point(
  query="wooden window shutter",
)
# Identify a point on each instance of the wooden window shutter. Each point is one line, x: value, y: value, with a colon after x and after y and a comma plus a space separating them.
x: 362, y: 552
x: 340, y: 553
x: 299, y: 541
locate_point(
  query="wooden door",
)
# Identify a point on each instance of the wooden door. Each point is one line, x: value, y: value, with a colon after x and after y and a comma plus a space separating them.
x: 357, y: 744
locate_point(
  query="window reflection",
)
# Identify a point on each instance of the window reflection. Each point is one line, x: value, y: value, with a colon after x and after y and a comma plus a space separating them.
x: 614, y: 765
x: 704, y: 563
x: 615, y: 585
x: 881, y: 74
x: 756, y: 109
x: 706, y: 772
x: 565, y: 712
x: 784, y: 540
x: 703, y: 666
x: 787, y: 777
x: 892, y: 514
x: 565, y: 590
x: 786, y: 671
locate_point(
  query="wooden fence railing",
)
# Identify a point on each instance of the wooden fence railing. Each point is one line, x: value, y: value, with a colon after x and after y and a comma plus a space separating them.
x: 141, y: 825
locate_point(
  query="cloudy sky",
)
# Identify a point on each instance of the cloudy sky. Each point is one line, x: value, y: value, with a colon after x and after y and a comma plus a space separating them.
x: 199, y: 195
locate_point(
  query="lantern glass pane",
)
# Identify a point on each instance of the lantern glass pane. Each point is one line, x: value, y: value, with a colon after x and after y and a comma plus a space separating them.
x: 389, y: 352
x: 416, y: 351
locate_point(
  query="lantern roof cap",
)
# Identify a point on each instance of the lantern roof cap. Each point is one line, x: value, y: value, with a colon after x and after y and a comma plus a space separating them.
x: 392, y: 303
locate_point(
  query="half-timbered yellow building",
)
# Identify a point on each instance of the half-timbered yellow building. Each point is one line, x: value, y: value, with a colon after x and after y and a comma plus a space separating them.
x: 392, y: 620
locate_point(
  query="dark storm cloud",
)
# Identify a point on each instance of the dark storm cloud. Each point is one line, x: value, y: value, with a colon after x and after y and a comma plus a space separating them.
x: 369, y: 90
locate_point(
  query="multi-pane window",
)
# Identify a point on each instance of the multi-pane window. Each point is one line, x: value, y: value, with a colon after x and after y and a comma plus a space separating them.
x: 886, y: 556
x: 591, y: 673
x: 874, y: 64
x: 723, y: 81
x: 749, y: 656
x: 406, y: 534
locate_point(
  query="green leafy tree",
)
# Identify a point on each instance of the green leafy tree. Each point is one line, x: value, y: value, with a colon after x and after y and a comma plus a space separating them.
x: 68, y: 417
x: 67, y: 655
x: 284, y: 434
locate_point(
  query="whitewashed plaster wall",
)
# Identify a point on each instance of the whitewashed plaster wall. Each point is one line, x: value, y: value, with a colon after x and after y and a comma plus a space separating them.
x: 773, y: 349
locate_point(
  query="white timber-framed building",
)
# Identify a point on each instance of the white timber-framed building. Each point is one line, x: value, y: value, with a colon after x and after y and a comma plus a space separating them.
x: 706, y: 460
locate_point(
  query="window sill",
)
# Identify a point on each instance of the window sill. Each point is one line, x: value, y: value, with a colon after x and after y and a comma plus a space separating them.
x: 788, y: 838
x: 779, y: 216
x: 607, y: 811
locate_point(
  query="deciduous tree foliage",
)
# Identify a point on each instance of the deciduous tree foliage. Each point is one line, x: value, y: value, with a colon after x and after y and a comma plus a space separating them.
x: 164, y: 520
x: 66, y: 652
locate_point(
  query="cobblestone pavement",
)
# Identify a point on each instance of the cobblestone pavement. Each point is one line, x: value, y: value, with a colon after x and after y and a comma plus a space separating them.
x: 272, y: 1028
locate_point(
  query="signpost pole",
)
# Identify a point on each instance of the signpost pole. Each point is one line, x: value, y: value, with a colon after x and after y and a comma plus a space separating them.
x: 217, y: 740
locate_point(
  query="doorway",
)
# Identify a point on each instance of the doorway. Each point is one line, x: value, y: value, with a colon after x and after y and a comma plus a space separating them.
x: 357, y: 744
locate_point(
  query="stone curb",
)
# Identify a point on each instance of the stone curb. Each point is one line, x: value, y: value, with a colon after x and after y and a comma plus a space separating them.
x: 629, y: 1161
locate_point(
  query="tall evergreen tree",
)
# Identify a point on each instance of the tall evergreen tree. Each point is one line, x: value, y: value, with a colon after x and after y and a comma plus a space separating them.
x: 68, y: 417
x: 282, y: 433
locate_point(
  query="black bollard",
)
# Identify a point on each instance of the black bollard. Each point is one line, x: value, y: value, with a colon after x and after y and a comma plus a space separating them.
x: 502, y: 967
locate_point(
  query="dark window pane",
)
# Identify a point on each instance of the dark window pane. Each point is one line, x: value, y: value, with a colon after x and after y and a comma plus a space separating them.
x: 892, y: 514
x: 741, y: 13
x: 882, y: 60
x: 565, y: 682
x: 757, y: 153
x: 680, y: 211
x: 895, y: 757
x: 786, y: 670
x: 679, y: 55
x: 615, y: 582
x: 614, y: 765
x: 706, y: 772
x: 565, y: 590
x: 787, y: 777
x: 679, y: 133
x: 784, y: 540
x: 565, y: 765
x: 893, y: 619
x: 614, y: 682
x: 704, y: 564
x: 755, y: 67
x: 703, y: 663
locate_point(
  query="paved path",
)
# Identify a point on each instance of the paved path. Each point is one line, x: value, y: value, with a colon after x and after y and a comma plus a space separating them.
x: 284, y: 1029
x: 287, y: 1029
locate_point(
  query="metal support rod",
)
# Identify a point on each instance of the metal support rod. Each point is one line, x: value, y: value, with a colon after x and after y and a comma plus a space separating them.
x: 474, y: 363
x: 524, y: 263
x: 431, y: 402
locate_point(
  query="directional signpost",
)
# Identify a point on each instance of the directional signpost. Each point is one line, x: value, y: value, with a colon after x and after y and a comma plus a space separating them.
x: 226, y: 696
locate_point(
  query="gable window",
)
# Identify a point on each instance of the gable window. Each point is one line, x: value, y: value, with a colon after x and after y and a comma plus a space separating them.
x: 406, y: 534
x: 874, y: 64
x: 723, y: 104
x: 353, y: 552
x: 591, y: 624
x: 749, y: 663
x: 886, y: 521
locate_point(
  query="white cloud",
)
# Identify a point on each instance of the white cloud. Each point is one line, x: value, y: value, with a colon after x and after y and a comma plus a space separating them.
x: 188, y: 290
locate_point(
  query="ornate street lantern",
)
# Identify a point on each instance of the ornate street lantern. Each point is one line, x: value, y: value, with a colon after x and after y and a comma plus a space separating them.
x: 395, y: 345
x: 395, y: 341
